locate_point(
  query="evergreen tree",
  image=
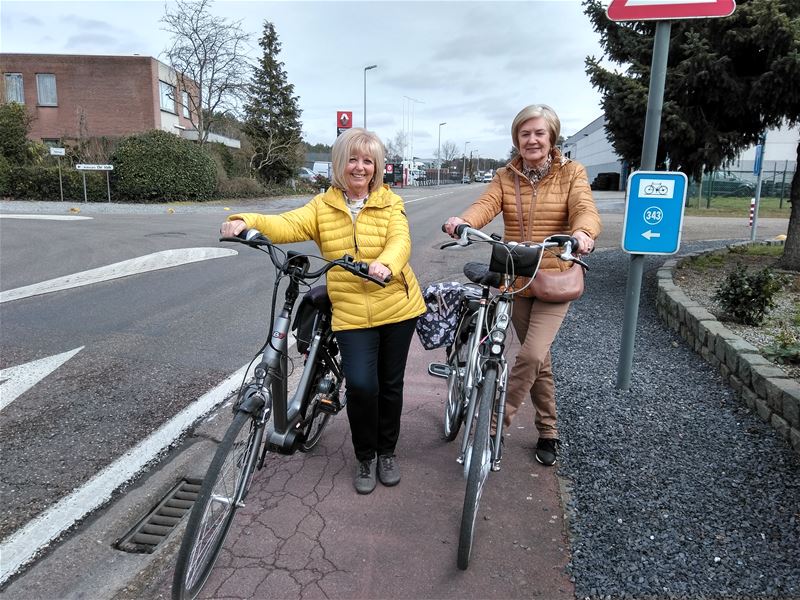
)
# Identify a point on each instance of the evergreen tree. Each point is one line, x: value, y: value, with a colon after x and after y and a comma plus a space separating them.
x: 272, y: 115
x: 728, y: 81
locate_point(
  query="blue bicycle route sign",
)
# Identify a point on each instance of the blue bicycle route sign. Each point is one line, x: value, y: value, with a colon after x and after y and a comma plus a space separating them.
x: 654, y: 212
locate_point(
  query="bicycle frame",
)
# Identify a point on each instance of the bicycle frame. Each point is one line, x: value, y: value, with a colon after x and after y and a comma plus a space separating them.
x: 480, y: 356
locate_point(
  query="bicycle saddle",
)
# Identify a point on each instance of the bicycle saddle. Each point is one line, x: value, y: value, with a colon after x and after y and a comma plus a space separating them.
x: 479, y: 273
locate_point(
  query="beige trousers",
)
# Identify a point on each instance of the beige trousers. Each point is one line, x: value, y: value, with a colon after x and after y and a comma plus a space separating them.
x: 536, y: 324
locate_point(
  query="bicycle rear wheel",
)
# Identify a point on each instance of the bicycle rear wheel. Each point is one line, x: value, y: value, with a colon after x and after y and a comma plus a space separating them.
x: 316, y: 418
x: 479, y: 464
x: 224, y: 486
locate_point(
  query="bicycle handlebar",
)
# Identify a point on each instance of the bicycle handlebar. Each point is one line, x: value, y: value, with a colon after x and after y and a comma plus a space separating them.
x: 255, y: 239
x: 463, y: 231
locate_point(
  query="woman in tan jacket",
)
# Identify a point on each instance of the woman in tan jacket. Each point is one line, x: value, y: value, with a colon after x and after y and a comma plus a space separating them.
x: 555, y: 197
x: 360, y: 216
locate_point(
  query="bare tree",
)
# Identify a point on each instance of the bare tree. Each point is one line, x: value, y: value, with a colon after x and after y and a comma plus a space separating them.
x: 208, y: 56
x: 449, y: 151
x: 396, y: 147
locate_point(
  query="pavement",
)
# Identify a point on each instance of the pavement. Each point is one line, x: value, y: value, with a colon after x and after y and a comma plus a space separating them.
x: 305, y: 532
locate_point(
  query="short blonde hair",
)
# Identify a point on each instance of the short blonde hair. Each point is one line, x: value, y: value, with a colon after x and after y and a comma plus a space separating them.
x: 530, y: 112
x: 352, y: 141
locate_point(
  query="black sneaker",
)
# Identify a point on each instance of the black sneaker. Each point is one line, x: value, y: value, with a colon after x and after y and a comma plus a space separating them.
x: 547, y: 451
x: 388, y: 470
x: 365, y: 476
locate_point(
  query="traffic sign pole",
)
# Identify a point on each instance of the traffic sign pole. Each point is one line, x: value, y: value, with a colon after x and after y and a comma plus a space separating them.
x: 652, y: 126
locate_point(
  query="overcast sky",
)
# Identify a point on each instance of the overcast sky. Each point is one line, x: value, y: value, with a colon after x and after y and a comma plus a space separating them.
x: 471, y: 64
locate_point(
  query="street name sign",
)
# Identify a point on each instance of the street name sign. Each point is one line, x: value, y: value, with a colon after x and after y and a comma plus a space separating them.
x: 652, y: 10
x: 58, y: 151
x: 94, y: 167
x: 653, y: 219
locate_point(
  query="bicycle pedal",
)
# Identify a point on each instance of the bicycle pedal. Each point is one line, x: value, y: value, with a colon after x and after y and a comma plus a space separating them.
x: 329, y: 405
x: 439, y: 370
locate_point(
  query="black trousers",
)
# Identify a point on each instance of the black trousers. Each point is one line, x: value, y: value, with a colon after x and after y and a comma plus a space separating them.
x: 374, y: 364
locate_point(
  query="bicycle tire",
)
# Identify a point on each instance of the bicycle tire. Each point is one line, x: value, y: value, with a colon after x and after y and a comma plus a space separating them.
x: 226, y: 482
x: 479, y: 465
x: 454, y: 404
x: 319, y: 419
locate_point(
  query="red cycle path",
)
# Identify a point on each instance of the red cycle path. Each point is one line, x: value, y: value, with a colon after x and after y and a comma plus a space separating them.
x: 305, y: 533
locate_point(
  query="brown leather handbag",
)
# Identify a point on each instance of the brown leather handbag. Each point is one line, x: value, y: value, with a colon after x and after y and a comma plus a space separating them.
x: 548, y: 286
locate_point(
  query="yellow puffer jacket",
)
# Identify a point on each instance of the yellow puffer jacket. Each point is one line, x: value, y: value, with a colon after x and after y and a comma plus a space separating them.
x: 380, y: 233
x: 560, y: 203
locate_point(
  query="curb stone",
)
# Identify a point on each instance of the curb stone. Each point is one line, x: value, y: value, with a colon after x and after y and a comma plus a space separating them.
x: 757, y: 382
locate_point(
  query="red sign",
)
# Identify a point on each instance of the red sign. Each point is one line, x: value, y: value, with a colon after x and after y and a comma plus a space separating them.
x: 344, y: 119
x: 652, y: 10
x: 389, y: 168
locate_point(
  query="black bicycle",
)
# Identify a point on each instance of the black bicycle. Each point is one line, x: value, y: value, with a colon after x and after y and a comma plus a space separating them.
x: 265, y: 419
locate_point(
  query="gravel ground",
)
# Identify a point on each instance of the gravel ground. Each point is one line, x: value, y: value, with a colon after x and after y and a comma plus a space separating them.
x: 675, y: 489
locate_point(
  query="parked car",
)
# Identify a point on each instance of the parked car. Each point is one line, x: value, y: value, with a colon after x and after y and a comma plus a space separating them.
x: 725, y: 184
x: 306, y: 174
x: 466, y: 179
x: 487, y: 177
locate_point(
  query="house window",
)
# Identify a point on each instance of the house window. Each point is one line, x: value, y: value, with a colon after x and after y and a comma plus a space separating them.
x: 14, y: 89
x: 166, y: 94
x: 185, y: 102
x: 46, y: 89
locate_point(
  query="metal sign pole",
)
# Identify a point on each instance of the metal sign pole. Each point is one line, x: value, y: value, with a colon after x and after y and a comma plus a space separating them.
x: 60, y: 184
x: 759, y: 166
x: 108, y: 185
x: 652, y: 126
x: 84, y: 186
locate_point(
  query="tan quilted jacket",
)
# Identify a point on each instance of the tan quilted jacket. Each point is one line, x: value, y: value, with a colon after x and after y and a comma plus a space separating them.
x: 560, y: 203
x: 380, y: 233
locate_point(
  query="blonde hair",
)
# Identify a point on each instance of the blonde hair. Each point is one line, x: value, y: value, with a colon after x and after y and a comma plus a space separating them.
x: 530, y: 112
x: 352, y: 141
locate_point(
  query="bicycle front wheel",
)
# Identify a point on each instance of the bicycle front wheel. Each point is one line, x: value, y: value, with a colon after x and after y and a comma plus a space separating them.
x: 480, y: 459
x: 224, y: 487
x: 454, y: 405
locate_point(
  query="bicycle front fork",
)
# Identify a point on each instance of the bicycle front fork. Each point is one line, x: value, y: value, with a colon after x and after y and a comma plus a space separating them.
x: 499, y: 415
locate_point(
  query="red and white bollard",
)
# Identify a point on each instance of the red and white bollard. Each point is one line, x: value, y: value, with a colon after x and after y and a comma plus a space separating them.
x: 752, y: 210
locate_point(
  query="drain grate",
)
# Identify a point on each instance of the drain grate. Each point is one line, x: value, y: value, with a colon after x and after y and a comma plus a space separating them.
x: 156, y: 526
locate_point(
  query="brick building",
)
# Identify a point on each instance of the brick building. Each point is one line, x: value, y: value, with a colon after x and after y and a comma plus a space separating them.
x: 79, y: 96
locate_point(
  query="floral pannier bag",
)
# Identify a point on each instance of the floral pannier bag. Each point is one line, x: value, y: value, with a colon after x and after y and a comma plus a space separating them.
x: 437, y: 327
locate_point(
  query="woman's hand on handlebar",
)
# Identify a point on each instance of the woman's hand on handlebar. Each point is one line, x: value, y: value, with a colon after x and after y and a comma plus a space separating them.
x: 585, y: 242
x: 380, y: 271
x: 450, y: 225
x: 232, y: 228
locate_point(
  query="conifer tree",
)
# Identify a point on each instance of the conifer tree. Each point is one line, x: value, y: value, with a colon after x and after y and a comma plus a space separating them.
x: 728, y: 81
x: 272, y: 115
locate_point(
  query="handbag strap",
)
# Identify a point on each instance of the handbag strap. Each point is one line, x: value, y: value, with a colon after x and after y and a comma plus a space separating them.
x: 519, y: 208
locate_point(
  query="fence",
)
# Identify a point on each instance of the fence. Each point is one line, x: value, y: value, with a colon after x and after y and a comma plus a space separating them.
x: 775, y: 183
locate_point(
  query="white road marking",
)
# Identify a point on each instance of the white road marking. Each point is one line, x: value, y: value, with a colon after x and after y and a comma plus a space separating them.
x: 22, y: 546
x: 15, y: 381
x: 46, y: 217
x: 427, y: 197
x: 150, y: 262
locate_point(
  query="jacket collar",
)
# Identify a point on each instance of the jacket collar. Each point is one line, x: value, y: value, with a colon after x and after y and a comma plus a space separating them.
x: 377, y: 198
x: 559, y: 160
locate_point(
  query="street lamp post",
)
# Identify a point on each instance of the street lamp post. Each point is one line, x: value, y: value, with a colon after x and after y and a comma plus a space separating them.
x: 365, y: 92
x: 464, y: 162
x: 439, y: 157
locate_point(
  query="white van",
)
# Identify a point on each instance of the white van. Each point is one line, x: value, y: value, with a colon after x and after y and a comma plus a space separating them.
x: 322, y: 168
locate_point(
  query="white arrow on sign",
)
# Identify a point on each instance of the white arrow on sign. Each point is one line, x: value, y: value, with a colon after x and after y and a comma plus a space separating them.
x: 650, y: 234
x: 15, y: 381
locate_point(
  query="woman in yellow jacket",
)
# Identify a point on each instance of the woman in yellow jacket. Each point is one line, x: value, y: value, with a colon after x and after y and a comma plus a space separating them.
x: 551, y: 194
x: 360, y: 216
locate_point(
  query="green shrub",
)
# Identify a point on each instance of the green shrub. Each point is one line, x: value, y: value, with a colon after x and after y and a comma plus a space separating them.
x: 159, y: 167
x: 747, y: 297
x: 5, y: 177
x: 41, y: 183
x: 15, y: 123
